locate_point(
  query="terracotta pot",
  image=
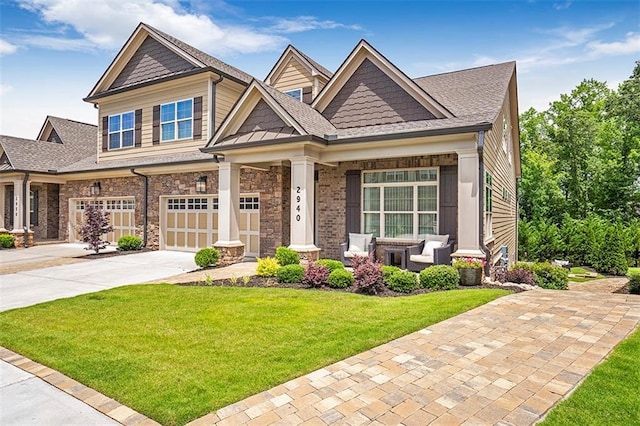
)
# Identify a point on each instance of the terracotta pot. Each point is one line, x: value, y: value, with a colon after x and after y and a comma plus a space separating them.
x: 470, y: 276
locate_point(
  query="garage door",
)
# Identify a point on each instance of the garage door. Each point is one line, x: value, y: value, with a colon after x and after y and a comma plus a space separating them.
x: 121, y: 211
x: 191, y: 223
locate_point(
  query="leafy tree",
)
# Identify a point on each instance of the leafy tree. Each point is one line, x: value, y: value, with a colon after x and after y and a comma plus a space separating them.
x: 96, y: 225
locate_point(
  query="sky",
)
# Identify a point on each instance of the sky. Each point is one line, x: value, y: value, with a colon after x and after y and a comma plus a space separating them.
x: 52, y: 52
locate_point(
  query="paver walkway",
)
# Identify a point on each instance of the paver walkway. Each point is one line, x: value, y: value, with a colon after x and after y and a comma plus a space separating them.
x: 605, y: 285
x: 507, y: 362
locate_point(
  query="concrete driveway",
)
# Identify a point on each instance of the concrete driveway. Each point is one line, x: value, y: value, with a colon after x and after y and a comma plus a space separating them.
x: 40, y: 285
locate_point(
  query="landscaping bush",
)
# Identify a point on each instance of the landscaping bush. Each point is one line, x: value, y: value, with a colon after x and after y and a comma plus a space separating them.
x: 387, y: 271
x: 129, y: 242
x: 552, y: 277
x: 611, y: 258
x: 340, y: 278
x: 634, y: 284
x: 439, y: 277
x: 285, y: 256
x: 402, y: 281
x: 6, y: 240
x: 367, y: 275
x: 520, y: 273
x: 207, y: 256
x: 316, y: 275
x: 267, y: 267
x: 330, y: 264
x: 290, y: 274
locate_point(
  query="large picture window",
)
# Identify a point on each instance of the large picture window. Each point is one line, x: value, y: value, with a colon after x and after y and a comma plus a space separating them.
x: 176, y: 120
x: 121, y: 130
x: 400, y: 203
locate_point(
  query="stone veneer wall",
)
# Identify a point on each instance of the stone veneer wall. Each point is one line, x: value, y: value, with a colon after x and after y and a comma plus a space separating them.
x: 332, y: 192
x: 48, y: 197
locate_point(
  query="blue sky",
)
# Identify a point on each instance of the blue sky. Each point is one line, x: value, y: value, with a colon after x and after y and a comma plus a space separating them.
x: 53, y: 51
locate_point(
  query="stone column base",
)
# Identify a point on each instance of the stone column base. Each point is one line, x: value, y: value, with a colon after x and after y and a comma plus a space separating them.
x: 308, y: 255
x: 230, y: 254
x: 18, y: 236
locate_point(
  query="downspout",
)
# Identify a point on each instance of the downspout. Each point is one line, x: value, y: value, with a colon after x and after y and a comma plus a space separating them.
x: 145, y: 206
x: 25, y: 210
x: 481, y: 189
x: 212, y: 116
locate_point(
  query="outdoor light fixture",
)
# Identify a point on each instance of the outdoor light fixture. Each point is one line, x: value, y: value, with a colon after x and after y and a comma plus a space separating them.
x: 95, y: 189
x: 201, y: 185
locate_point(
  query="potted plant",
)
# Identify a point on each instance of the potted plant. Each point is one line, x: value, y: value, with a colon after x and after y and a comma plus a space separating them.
x: 470, y: 270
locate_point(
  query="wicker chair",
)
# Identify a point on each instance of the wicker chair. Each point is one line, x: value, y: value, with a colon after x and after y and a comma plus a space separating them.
x: 441, y: 256
x: 346, y: 255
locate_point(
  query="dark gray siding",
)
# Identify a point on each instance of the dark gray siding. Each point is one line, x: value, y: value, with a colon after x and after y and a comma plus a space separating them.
x: 261, y: 118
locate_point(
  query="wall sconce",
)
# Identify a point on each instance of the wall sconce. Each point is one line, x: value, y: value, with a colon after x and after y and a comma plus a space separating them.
x: 201, y: 185
x: 95, y: 189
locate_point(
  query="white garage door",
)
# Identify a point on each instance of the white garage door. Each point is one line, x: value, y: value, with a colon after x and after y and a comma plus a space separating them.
x: 121, y: 211
x: 190, y: 223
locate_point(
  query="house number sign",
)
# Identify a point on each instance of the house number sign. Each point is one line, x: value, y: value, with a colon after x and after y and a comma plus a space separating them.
x: 298, y: 204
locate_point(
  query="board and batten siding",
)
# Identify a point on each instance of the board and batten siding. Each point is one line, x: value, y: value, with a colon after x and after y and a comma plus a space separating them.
x: 505, y: 210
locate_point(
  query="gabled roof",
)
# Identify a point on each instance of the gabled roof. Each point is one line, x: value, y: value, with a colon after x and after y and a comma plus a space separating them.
x: 201, y: 62
x: 357, y: 56
x: 305, y: 60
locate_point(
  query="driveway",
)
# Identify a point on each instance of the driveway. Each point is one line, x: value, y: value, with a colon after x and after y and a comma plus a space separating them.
x: 40, y: 285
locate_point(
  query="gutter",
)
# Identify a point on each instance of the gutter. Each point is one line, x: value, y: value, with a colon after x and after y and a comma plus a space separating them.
x: 481, y: 189
x: 25, y: 210
x: 145, y: 206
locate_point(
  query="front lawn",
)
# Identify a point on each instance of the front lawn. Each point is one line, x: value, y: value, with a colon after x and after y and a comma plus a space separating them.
x: 610, y: 395
x: 176, y: 353
x: 577, y: 270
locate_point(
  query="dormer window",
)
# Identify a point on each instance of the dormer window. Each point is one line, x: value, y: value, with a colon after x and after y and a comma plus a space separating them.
x: 176, y: 120
x: 121, y: 130
x: 295, y: 94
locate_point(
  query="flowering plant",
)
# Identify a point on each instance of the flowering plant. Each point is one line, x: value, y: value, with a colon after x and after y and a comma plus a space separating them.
x: 469, y: 262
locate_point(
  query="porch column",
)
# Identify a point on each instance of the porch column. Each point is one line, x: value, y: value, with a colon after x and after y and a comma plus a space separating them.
x: 302, y: 207
x: 18, y: 205
x: 468, y: 205
x: 229, y: 244
x: 3, y: 189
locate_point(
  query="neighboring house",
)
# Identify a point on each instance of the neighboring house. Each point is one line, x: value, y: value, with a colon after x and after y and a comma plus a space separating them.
x: 192, y: 152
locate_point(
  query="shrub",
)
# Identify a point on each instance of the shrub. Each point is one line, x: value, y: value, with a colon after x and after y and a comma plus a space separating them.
x: 611, y: 258
x: 340, y: 278
x: 316, y: 275
x: 96, y: 225
x: 207, y: 256
x: 286, y: 256
x: 402, y: 281
x: 552, y: 277
x: 330, y: 264
x: 290, y: 274
x: 520, y: 273
x: 6, y: 241
x: 634, y: 284
x: 387, y: 271
x: 129, y: 242
x: 367, y: 275
x: 267, y: 267
x: 439, y: 277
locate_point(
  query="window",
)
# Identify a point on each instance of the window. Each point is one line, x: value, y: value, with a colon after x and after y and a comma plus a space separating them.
x: 121, y: 130
x: 176, y: 120
x: 295, y: 94
x: 400, y: 203
x: 488, y: 206
x: 249, y: 203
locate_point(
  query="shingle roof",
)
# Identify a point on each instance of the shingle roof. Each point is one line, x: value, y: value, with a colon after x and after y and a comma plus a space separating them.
x: 91, y: 164
x: 82, y: 138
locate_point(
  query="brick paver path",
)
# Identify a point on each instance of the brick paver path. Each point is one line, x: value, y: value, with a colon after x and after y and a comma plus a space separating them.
x: 507, y: 362
x: 605, y: 285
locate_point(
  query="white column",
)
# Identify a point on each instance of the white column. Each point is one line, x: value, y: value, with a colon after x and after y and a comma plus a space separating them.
x: 302, y: 203
x: 18, y: 204
x: 3, y: 189
x: 229, y: 205
x: 468, y: 205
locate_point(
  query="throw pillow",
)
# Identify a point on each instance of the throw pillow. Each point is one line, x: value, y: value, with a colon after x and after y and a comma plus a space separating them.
x: 429, y: 246
x: 444, y: 239
x: 357, y: 244
x: 367, y: 239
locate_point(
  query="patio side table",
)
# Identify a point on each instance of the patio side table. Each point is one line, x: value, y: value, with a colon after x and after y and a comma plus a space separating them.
x: 390, y: 256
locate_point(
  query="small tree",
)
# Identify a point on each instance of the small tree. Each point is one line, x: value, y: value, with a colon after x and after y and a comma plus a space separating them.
x: 96, y: 225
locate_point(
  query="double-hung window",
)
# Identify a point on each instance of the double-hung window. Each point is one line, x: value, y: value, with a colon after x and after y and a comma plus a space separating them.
x: 121, y: 130
x: 400, y: 203
x: 176, y: 120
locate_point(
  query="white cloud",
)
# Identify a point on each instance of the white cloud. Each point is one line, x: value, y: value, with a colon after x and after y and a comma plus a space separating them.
x: 307, y: 23
x: 7, y: 48
x: 562, y: 6
x: 106, y: 24
x: 5, y: 88
x: 631, y: 44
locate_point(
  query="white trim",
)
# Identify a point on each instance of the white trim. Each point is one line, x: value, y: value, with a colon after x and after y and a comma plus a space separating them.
x: 176, y: 120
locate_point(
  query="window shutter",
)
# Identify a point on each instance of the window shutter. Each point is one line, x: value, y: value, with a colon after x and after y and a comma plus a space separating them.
x: 197, y: 117
x: 156, y: 124
x: 353, y: 195
x: 448, y: 214
x: 34, y: 204
x: 306, y: 95
x: 105, y: 133
x: 137, y: 135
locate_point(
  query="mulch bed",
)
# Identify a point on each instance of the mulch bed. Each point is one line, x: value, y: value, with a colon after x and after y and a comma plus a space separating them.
x: 271, y: 282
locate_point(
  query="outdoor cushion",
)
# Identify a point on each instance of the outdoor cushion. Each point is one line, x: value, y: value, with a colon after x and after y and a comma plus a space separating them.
x: 444, y: 239
x: 357, y: 243
x: 419, y: 258
x: 367, y: 239
x: 429, y: 246
x: 350, y: 254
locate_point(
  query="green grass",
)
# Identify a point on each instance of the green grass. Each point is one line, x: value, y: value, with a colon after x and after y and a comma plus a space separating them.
x: 633, y: 271
x: 610, y: 395
x: 580, y: 270
x: 176, y: 353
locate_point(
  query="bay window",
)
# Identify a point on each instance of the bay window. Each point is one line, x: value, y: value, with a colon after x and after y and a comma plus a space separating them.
x: 400, y: 203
